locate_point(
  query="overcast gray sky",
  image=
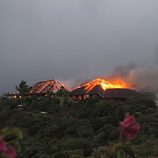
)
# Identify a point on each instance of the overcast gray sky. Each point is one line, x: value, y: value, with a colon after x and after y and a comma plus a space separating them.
x: 73, y: 39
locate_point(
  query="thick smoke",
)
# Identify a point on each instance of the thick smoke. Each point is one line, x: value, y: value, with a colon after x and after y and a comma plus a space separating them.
x: 123, y: 71
x: 141, y: 78
x: 144, y: 79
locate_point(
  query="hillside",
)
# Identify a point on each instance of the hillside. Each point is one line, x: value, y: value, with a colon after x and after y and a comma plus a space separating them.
x: 63, y: 128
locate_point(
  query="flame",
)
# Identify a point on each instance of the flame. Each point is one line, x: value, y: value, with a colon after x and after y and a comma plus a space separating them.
x: 105, y: 84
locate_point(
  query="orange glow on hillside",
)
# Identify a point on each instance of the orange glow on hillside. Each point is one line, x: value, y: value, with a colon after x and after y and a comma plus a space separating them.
x: 105, y: 84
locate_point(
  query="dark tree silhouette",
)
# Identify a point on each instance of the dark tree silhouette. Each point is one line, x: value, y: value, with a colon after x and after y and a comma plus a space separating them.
x: 22, y: 88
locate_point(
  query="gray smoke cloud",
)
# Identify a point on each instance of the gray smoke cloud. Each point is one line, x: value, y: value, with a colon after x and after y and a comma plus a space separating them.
x: 143, y: 78
x: 123, y: 71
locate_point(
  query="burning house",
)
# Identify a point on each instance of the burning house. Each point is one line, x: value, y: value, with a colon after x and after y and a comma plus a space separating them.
x: 46, y: 87
x: 42, y: 88
x: 100, y: 87
x: 81, y: 93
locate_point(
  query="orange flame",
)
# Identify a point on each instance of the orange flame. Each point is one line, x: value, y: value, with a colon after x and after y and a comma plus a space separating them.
x: 105, y: 84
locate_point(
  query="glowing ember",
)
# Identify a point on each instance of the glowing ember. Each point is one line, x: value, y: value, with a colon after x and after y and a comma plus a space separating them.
x: 105, y: 84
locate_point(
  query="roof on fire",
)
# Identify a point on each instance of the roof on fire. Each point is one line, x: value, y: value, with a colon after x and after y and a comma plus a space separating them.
x: 81, y: 90
x: 49, y: 86
x: 109, y: 93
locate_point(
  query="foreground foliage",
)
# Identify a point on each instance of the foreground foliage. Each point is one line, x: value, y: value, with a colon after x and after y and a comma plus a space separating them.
x: 63, y: 128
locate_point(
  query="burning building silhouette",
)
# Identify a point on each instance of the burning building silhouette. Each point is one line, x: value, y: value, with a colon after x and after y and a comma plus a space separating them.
x: 104, y: 89
x: 46, y: 87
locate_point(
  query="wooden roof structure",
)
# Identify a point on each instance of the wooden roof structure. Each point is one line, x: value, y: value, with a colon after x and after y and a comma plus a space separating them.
x: 113, y: 93
x: 97, y: 90
x: 49, y: 86
x: 120, y: 93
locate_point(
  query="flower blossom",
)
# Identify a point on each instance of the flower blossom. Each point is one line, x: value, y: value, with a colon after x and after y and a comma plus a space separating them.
x: 129, y: 128
x: 3, y: 145
x: 10, y: 152
x: 6, y: 150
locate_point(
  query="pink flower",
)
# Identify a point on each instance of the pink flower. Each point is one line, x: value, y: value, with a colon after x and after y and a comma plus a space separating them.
x: 6, y: 150
x: 10, y: 152
x: 129, y: 128
x: 3, y: 145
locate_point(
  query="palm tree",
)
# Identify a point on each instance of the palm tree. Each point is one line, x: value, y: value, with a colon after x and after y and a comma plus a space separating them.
x: 22, y: 88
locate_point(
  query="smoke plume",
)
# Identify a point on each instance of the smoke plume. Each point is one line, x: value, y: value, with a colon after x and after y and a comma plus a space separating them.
x: 141, y: 78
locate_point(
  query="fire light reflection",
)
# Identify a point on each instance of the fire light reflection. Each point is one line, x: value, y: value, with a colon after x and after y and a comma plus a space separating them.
x: 105, y: 84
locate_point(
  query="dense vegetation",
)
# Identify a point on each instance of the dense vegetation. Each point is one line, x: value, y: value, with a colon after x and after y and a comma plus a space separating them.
x: 63, y: 128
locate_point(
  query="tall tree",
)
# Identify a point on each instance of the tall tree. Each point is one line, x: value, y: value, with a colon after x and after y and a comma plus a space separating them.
x: 22, y: 88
